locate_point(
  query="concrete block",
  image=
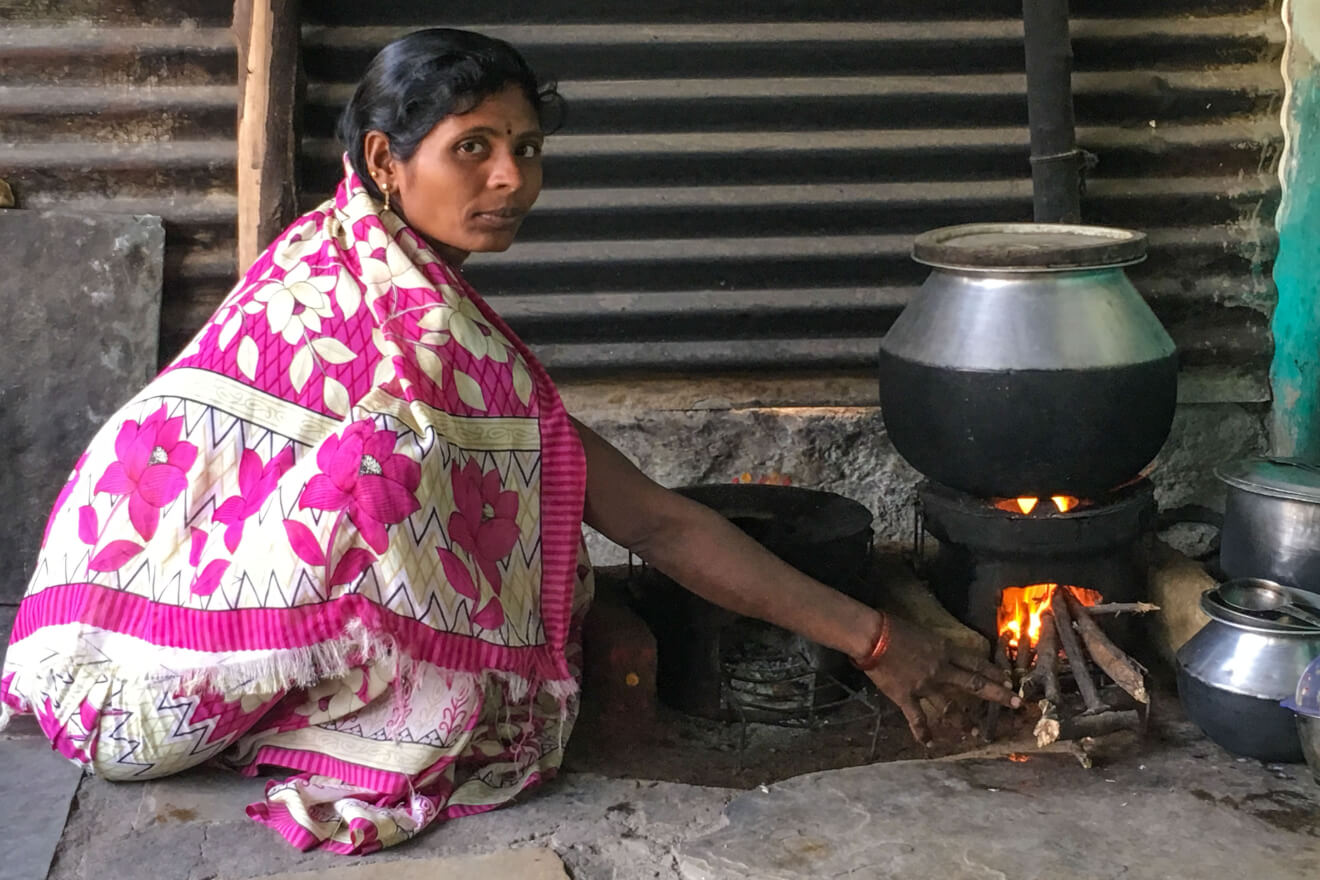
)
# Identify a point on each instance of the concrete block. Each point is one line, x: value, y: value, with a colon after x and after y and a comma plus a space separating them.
x: 82, y: 318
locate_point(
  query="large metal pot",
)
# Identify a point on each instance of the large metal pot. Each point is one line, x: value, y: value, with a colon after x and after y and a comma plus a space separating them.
x: 1272, y: 521
x: 1028, y: 364
x: 1232, y: 676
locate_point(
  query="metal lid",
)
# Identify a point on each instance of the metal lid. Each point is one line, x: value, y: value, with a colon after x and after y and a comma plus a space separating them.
x: 1214, y: 608
x: 1028, y: 247
x: 1276, y: 477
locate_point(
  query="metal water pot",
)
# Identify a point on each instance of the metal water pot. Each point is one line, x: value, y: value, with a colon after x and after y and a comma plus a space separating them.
x: 1232, y: 676
x: 1272, y: 521
x: 1028, y: 364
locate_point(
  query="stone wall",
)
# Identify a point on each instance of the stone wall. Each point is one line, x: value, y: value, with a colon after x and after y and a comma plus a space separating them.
x: 699, y: 436
x: 82, y: 299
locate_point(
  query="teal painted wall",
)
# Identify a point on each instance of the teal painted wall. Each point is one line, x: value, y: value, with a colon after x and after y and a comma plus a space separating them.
x: 1295, y: 373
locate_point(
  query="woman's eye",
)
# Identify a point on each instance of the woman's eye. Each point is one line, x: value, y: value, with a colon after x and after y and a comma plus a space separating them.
x: 471, y: 147
x: 528, y: 151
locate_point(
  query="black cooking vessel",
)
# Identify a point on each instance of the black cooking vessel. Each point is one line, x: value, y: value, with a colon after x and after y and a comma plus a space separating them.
x: 1028, y: 364
x: 1012, y: 433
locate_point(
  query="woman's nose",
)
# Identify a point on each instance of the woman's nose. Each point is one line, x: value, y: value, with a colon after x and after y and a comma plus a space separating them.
x: 504, y: 172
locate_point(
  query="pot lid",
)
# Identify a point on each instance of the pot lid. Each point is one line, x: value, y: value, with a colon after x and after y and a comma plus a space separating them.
x: 1287, y: 478
x: 1028, y: 247
x: 1214, y: 608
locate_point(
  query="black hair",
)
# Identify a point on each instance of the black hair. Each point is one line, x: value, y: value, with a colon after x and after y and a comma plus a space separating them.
x: 418, y: 80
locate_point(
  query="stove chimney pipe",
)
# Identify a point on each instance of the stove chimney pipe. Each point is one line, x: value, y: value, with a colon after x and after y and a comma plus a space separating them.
x: 1055, y: 159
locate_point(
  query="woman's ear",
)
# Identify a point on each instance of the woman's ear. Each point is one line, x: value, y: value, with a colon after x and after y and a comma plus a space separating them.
x: 380, y: 163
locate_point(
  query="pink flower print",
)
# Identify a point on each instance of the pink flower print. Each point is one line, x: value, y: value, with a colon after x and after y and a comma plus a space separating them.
x: 151, y: 469
x: 255, y: 483
x: 484, y: 523
x: 363, y: 476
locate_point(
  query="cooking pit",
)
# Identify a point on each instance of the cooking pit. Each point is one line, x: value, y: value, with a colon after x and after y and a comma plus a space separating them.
x: 725, y: 667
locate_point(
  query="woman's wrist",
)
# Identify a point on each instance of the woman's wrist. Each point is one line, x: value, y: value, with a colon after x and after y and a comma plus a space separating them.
x: 879, y: 644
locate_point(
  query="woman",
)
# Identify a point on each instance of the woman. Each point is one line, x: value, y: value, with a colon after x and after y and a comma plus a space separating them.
x: 341, y: 533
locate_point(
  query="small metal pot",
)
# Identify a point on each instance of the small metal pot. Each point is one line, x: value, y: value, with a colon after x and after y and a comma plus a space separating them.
x: 1272, y: 521
x: 1232, y: 677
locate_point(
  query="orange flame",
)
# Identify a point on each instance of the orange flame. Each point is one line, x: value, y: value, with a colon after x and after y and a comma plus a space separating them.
x: 1065, y: 503
x: 1020, y: 609
x: 1026, y: 504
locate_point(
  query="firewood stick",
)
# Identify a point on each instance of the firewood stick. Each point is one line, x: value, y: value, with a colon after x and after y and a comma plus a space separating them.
x: 992, y: 710
x: 1071, y: 647
x: 1100, y: 724
x: 1121, y: 608
x: 1047, y: 658
x: 1022, y: 660
x: 1105, y: 653
x: 1046, y: 675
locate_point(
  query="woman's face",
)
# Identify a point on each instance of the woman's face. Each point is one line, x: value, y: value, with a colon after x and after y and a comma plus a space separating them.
x: 473, y: 177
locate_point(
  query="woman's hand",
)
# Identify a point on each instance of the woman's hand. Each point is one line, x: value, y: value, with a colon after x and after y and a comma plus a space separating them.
x: 918, y: 665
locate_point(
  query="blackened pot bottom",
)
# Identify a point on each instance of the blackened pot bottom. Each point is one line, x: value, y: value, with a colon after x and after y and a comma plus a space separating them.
x: 1028, y: 432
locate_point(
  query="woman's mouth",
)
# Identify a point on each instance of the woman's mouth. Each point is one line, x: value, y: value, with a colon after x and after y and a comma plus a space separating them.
x: 502, y: 220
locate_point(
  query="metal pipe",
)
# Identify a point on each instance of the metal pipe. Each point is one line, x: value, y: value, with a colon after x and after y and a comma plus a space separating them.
x: 1055, y: 159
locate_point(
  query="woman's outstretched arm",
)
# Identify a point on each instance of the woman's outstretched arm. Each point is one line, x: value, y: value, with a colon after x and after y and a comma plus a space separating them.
x: 713, y: 558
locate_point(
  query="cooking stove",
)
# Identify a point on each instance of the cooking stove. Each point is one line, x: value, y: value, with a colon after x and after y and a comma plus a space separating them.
x: 989, y: 545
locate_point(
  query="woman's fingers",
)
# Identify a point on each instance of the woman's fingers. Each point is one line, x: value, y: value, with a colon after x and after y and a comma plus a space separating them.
x: 976, y: 683
x: 916, y: 720
x: 978, y: 665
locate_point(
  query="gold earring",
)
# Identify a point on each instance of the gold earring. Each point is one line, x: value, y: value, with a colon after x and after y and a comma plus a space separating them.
x: 384, y: 188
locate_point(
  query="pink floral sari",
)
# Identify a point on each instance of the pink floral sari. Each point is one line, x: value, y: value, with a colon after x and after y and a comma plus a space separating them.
x: 340, y: 534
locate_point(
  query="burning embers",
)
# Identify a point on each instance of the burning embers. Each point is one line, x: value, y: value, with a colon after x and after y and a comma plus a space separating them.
x: 1048, y: 638
x: 1031, y: 506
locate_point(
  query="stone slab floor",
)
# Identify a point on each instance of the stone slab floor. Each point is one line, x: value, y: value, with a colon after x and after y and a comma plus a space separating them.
x: 1180, y: 808
x: 1177, y: 807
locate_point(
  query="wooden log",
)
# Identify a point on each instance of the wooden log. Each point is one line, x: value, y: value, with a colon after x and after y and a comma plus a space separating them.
x: 1100, y: 724
x: 1046, y: 675
x: 1022, y: 659
x: 1047, y: 658
x: 1121, y: 608
x: 1073, y: 649
x: 267, y: 32
x: 1105, y: 653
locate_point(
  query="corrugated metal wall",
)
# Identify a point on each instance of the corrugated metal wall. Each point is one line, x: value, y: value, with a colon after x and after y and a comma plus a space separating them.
x: 734, y: 189
x: 129, y: 107
x: 739, y: 189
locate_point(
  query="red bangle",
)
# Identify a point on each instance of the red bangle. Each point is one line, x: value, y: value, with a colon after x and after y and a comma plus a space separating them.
x: 878, y: 648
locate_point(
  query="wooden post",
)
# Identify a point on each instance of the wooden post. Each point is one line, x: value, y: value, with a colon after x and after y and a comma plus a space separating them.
x: 268, y: 70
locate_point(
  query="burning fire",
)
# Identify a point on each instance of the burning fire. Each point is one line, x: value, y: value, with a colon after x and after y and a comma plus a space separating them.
x: 1026, y: 504
x: 1020, y: 609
